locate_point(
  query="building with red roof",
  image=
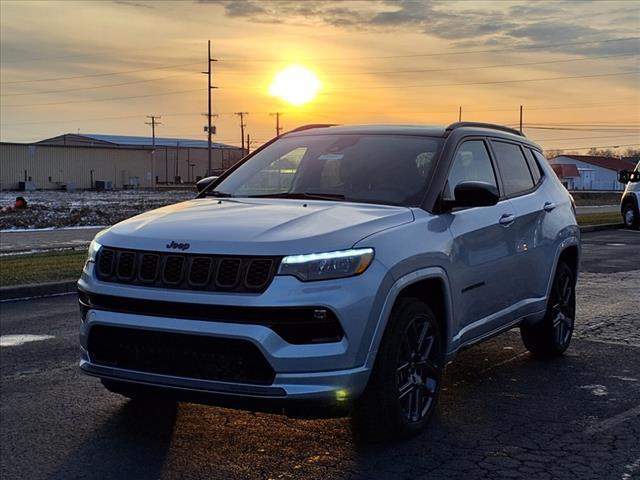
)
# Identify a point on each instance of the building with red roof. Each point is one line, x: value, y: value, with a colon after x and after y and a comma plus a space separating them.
x: 590, y: 172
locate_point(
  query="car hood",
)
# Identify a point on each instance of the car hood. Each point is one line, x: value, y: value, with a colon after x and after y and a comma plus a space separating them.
x: 254, y: 226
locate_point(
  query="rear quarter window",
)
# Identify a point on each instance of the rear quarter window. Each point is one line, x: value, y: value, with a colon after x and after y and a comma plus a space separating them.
x: 534, y: 167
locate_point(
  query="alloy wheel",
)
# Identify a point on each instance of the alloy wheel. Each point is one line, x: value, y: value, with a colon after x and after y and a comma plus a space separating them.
x: 418, y: 371
x: 563, y: 311
x: 629, y: 216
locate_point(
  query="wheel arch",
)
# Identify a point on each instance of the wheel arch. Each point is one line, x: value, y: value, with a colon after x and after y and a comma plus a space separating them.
x: 430, y: 285
x: 569, y: 253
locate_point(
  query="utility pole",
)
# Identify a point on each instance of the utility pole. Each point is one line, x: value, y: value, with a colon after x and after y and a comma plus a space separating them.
x: 520, y: 118
x: 209, y: 115
x: 154, y: 123
x: 248, y: 144
x: 278, y: 127
x: 242, y: 125
x: 460, y: 114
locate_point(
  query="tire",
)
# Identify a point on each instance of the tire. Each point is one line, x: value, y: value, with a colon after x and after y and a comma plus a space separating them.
x: 403, y: 390
x: 630, y: 216
x: 550, y: 337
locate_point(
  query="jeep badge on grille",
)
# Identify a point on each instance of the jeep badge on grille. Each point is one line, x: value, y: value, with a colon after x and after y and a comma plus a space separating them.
x: 178, y: 246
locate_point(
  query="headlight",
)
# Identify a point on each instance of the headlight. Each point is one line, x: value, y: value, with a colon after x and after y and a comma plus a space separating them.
x: 94, y: 248
x: 323, y: 266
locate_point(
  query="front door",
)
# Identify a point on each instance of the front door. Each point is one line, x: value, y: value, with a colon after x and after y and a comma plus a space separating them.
x: 482, y: 249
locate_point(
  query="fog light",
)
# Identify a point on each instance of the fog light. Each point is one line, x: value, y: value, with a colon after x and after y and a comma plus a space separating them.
x: 341, y: 395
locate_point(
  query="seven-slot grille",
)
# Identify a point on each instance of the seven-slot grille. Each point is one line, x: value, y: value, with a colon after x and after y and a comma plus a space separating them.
x: 185, y: 271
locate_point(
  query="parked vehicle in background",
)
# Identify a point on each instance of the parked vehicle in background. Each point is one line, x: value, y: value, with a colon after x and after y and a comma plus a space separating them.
x: 630, y: 202
x: 336, y: 266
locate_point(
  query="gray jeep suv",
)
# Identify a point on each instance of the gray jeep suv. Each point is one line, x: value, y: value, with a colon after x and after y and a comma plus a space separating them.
x: 339, y: 267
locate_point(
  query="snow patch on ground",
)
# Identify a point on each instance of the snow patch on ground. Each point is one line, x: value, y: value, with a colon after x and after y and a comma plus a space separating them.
x: 17, y: 340
x: 57, y: 209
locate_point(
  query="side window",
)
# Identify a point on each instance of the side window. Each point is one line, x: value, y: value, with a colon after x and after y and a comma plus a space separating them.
x: 471, y: 163
x: 514, y: 171
x: 536, y: 173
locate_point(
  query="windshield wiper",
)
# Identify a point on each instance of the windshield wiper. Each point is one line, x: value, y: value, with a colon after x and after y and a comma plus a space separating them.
x: 302, y: 195
x: 324, y: 196
x: 216, y: 193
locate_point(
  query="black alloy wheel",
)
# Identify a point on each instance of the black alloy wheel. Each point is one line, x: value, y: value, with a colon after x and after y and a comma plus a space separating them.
x: 551, y: 336
x: 418, y: 370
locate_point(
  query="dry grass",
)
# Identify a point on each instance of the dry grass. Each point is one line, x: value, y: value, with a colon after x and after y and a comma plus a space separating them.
x: 599, y: 218
x: 41, y: 267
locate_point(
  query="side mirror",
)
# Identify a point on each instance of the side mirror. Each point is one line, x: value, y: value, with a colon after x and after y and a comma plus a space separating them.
x: 205, y: 182
x: 626, y: 176
x: 475, y: 194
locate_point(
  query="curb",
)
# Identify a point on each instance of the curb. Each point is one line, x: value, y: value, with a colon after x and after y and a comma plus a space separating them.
x: 69, y: 286
x: 597, y: 228
x: 37, y: 290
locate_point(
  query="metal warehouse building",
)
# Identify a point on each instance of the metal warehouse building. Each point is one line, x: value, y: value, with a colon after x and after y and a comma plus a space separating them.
x: 86, y: 160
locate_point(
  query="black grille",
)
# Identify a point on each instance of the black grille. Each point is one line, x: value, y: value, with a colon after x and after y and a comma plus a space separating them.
x: 200, y: 271
x: 172, y: 273
x: 105, y: 264
x: 259, y: 273
x: 182, y: 355
x: 228, y: 273
x: 149, y: 267
x: 126, y: 265
x: 185, y: 271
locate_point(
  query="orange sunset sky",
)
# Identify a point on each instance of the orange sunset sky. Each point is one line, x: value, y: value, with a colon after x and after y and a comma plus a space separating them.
x: 101, y: 67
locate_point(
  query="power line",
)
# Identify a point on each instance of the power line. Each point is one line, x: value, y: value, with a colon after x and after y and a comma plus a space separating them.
x: 461, y: 52
x: 587, y: 138
x: 575, y: 129
x: 586, y: 124
x: 488, y: 83
x: 101, y: 99
x: 127, y: 51
x: 95, y: 87
x: 593, y: 146
x: 480, y: 67
x: 108, y: 74
x: 99, y: 119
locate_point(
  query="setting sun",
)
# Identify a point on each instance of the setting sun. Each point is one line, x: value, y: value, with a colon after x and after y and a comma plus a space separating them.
x: 295, y: 84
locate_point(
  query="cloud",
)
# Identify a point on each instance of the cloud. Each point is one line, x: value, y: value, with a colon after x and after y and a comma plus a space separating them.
x: 463, y: 23
x: 131, y: 3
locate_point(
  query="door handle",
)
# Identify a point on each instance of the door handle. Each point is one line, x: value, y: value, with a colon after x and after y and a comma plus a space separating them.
x: 507, y: 219
x: 548, y: 206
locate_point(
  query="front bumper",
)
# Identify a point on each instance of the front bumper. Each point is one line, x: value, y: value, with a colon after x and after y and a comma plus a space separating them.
x: 326, y: 373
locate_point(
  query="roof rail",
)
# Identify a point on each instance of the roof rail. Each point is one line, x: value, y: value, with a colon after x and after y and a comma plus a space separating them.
x: 312, y: 125
x: 491, y: 126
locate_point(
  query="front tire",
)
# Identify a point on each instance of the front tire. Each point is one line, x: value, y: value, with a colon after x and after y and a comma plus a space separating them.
x: 630, y: 216
x: 551, y: 337
x: 403, y: 390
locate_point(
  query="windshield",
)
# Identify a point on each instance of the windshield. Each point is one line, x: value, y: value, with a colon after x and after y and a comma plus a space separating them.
x: 387, y: 169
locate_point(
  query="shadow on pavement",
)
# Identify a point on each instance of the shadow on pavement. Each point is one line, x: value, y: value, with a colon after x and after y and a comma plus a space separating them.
x: 133, y: 443
x: 502, y: 415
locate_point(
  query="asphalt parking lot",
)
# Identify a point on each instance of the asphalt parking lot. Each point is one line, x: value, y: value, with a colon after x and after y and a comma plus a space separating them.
x: 502, y: 413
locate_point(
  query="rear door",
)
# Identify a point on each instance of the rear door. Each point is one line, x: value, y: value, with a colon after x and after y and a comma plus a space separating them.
x: 483, y: 241
x: 521, y: 179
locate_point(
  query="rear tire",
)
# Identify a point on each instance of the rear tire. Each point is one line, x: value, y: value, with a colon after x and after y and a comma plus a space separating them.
x: 630, y: 216
x: 403, y: 390
x: 550, y: 337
